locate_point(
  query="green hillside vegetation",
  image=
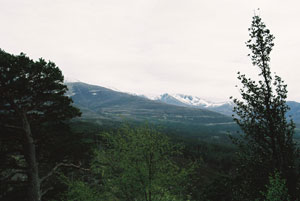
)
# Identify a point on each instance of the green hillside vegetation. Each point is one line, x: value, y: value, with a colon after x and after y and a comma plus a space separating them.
x: 100, y: 105
x: 111, y: 104
x: 107, y: 107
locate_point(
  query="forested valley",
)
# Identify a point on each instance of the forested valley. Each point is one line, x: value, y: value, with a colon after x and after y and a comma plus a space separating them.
x: 51, y: 148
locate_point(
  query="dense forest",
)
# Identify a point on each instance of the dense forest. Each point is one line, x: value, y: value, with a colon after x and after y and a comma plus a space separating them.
x: 48, y: 152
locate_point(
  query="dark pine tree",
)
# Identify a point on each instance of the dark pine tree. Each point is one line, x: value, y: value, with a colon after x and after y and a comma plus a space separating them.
x: 267, y: 142
x: 32, y: 95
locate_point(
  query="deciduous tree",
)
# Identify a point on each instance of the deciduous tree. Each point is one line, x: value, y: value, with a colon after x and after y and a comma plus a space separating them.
x: 138, y: 164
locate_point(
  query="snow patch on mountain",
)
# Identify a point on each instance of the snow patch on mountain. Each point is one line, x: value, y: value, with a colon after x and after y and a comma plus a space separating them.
x: 190, y: 100
x: 196, y: 101
x: 224, y: 107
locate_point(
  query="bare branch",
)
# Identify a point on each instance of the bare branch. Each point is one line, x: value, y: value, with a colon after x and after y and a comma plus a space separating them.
x: 61, y: 165
x: 46, y: 191
x: 12, y: 126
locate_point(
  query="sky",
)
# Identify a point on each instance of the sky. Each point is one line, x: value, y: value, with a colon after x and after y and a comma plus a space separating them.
x: 193, y: 47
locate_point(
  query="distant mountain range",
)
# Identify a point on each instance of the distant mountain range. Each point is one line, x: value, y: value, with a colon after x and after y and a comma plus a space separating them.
x: 100, y: 104
x: 185, y: 115
x: 220, y: 107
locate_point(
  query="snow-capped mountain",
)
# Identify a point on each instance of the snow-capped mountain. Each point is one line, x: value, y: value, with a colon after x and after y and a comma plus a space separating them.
x: 224, y: 107
x: 194, y: 101
x: 220, y: 107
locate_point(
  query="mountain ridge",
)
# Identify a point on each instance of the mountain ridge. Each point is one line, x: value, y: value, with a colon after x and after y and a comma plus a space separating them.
x: 101, y: 104
x: 104, y: 106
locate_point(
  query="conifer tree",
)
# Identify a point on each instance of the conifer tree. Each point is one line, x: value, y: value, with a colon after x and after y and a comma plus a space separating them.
x: 32, y: 94
x: 267, y: 142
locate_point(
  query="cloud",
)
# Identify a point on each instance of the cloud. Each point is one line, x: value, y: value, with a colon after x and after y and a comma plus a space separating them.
x: 147, y: 46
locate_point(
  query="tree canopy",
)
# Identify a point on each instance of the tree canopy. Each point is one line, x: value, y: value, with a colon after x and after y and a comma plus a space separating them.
x: 137, y: 164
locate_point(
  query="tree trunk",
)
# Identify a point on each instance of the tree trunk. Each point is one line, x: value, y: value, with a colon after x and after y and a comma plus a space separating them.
x: 34, y: 190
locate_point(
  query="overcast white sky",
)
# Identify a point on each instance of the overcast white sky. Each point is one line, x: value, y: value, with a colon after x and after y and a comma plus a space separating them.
x: 192, y: 47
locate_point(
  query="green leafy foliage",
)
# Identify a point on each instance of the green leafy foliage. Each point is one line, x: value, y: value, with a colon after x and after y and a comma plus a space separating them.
x: 276, y: 189
x: 139, y: 164
x: 80, y: 191
x: 136, y: 163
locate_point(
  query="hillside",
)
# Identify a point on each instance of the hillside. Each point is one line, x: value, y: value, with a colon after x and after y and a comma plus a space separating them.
x: 100, y: 104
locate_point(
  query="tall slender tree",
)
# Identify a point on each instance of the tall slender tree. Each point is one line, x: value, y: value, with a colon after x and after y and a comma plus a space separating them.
x: 267, y: 142
x: 32, y: 95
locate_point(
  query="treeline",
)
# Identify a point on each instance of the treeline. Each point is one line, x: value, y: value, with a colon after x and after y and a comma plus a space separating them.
x: 47, y: 153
